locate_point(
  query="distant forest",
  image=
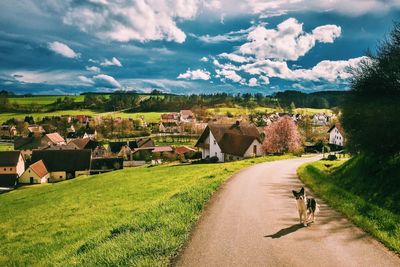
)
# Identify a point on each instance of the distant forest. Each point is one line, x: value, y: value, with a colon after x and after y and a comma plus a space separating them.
x: 157, y: 101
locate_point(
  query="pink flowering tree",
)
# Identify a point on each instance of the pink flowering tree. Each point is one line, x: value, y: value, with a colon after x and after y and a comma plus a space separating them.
x: 282, y: 136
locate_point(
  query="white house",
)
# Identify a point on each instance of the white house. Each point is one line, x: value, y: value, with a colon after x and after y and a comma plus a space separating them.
x: 230, y: 142
x: 35, y: 174
x: 336, y: 135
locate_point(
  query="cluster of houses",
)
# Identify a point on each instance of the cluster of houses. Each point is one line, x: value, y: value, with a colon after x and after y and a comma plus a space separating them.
x: 180, y: 122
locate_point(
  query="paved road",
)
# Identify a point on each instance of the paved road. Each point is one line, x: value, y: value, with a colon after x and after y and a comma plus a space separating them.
x: 252, y: 221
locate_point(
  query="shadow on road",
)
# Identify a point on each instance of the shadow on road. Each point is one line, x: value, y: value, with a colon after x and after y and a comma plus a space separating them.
x: 286, y: 231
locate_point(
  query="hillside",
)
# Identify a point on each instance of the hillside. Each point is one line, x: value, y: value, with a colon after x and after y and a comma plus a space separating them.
x: 136, y: 216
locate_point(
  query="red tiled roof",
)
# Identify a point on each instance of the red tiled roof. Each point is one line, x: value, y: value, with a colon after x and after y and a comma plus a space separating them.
x: 186, y: 112
x: 55, y: 138
x: 184, y: 149
x: 39, y: 168
x: 159, y: 149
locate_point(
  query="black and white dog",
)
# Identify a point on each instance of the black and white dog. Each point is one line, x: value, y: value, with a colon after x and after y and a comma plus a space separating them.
x: 307, y: 207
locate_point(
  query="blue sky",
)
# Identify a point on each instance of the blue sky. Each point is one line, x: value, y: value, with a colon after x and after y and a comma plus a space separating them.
x: 186, y: 46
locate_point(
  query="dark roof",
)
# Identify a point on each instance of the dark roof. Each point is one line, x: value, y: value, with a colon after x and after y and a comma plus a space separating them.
x: 233, y: 139
x: 235, y: 144
x: 72, y: 135
x: 339, y: 127
x: 115, y: 147
x: 8, y: 180
x: 64, y: 160
x: 107, y: 163
x: 85, y: 143
x: 145, y: 142
x: 9, y: 158
x: 23, y: 143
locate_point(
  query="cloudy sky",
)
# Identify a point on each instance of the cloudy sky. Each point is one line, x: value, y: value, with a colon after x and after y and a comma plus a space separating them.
x: 186, y: 46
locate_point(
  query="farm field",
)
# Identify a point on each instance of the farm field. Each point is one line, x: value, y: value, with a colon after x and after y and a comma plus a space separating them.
x: 138, y: 216
x: 42, y: 100
x: 6, y: 146
x: 245, y: 111
x: 148, y: 116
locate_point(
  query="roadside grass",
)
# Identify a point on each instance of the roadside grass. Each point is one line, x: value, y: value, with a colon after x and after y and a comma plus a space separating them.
x: 6, y: 146
x: 345, y: 186
x: 139, y: 216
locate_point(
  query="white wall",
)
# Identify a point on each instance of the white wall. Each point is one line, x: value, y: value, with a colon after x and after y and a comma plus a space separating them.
x: 215, y: 150
x: 249, y: 151
x: 335, y: 138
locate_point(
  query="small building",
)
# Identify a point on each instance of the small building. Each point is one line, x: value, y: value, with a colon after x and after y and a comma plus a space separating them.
x: 53, y: 139
x: 64, y: 164
x: 83, y: 143
x: 7, y: 131
x: 186, y: 115
x: 336, y: 136
x: 169, y: 127
x: 230, y: 142
x: 27, y: 143
x: 12, y: 166
x: 35, y: 174
x: 36, y: 131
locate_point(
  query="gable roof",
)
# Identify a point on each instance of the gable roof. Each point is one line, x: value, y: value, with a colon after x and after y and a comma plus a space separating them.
x: 35, y: 128
x: 55, y: 138
x: 186, y: 112
x: 39, y: 168
x: 115, y: 147
x: 26, y: 143
x: 339, y: 127
x: 8, y: 180
x: 64, y: 160
x: 232, y: 139
x: 184, y: 149
x: 9, y: 158
x: 84, y: 143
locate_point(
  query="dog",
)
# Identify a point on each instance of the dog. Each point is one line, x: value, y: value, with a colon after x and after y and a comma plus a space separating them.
x: 307, y: 207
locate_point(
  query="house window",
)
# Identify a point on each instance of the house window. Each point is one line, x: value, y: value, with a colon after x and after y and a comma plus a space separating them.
x: 255, y: 149
x: 29, y: 171
x: 215, y: 142
x: 60, y: 176
x: 5, y: 169
x: 10, y: 169
x: 215, y: 153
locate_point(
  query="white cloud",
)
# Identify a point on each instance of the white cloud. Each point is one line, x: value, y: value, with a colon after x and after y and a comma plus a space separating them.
x: 204, y: 59
x: 86, y: 80
x: 195, y: 75
x: 230, y: 75
x: 53, y: 77
x: 233, y: 36
x: 264, y: 80
x: 113, y: 62
x: 288, y: 41
x: 63, y: 49
x: 347, y: 7
x: 234, y: 57
x: 103, y: 80
x: 253, y: 82
x: 93, y: 69
x: 139, y: 20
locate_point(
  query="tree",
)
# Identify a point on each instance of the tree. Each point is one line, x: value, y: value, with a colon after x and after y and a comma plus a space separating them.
x: 282, y: 136
x: 371, y: 110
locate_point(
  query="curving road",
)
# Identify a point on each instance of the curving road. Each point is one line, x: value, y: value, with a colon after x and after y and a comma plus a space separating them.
x: 253, y: 221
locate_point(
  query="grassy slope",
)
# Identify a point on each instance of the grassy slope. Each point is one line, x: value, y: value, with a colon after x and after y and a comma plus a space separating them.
x: 137, y: 216
x: 6, y: 146
x: 240, y: 111
x: 360, y: 193
x: 42, y: 100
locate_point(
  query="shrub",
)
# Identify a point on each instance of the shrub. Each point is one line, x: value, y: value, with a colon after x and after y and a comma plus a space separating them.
x: 332, y: 157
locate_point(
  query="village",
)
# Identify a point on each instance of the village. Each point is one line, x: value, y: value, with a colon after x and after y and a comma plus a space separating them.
x: 60, y: 148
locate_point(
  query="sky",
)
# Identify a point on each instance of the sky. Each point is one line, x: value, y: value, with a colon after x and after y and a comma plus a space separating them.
x: 187, y: 46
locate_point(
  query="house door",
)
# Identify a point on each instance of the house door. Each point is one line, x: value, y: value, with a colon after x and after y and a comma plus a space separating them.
x: 31, y: 180
x: 255, y: 150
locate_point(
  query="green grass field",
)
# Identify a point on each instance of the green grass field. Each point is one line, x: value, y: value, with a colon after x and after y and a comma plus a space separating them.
x: 132, y: 217
x: 371, y: 202
x: 6, y: 146
x: 148, y: 116
x: 245, y: 111
x: 42, y: 100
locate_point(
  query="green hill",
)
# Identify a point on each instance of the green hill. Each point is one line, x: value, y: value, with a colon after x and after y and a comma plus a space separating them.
x: 136, y: 216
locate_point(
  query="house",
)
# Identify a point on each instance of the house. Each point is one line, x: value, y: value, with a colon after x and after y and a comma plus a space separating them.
x: 12, y: 166
x: 100, y: 165
x: 36, y: 131
x: 169, y: 127
x: 27, y: 143
x: 336, y: 135
x: 83, y: 143
x: 182, y: 150
x: 186, y: 116
x: 35, y: 174
x: 230, y: 142
x: 64, y: 164
x: 88, y: 132
x: 320, y: 119
x: 53, y: 139
x: 7, y: 131
x: 170, y: 117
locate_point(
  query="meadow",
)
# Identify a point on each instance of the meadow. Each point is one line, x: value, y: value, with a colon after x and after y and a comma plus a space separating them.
x: 148, y: 116
x: 6, y: 146
x: 139, y: 216
x: 368, y: 199
x: 236, y: 111
x: 42, y: 100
